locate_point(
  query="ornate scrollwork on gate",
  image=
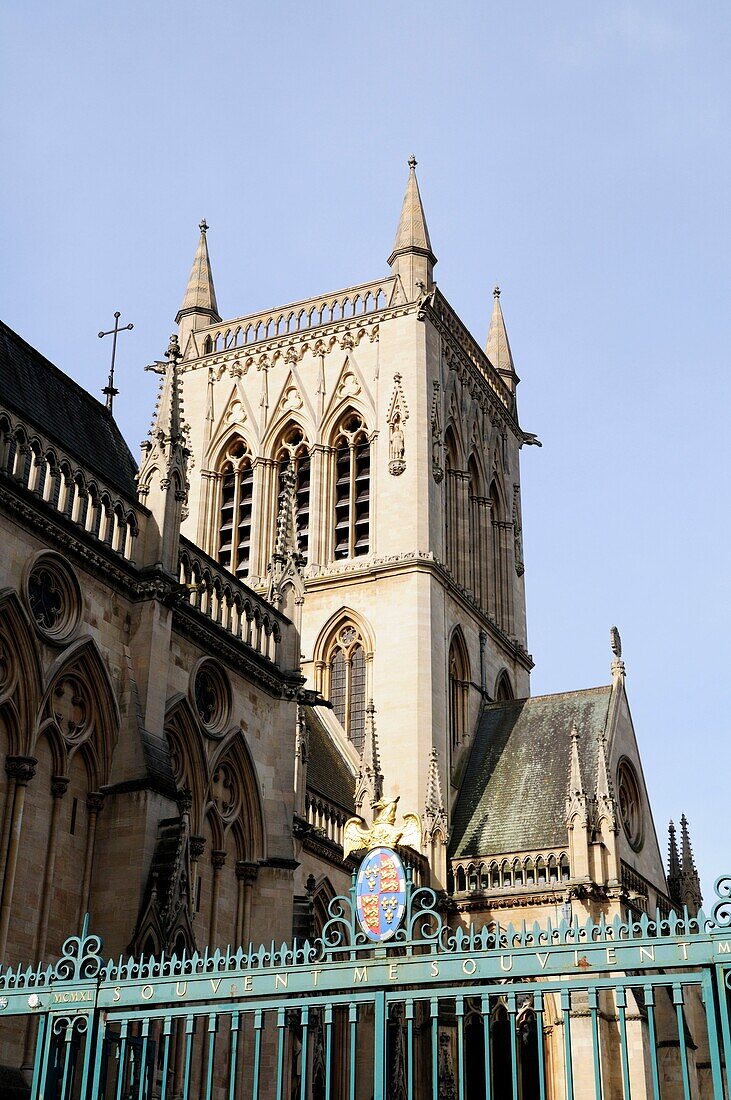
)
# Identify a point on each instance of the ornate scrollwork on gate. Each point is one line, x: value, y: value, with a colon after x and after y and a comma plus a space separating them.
x: 721, y: 912
x: 80, y: 959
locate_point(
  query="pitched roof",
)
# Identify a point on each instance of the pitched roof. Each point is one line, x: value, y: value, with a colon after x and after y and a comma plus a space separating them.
x: 43, y: 395
x: 327, y: 771
x: 513, y: 795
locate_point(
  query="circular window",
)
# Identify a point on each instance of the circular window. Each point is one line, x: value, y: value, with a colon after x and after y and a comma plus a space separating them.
x: 630, y: 806
x: 54, y: 597
x: 211, y: 697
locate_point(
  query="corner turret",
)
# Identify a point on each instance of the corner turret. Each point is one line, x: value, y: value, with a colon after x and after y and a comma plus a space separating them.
x: 412, y: 258
x: 199, y: 306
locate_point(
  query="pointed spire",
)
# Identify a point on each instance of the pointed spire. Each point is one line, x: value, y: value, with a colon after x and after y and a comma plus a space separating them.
x: 605, y: 802
x: 576, y: 782
x: 498, y: 345
x: 577, y: 802
x: 163, y: 473
x: 412, y: 257
x: 673, y: 866
x: 199, y: 304
x: 287, y: 559
x: 690, y: 883
x: 369, y: 788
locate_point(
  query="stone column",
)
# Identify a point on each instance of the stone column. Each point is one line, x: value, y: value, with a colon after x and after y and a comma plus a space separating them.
x: 59, y: 786
x: 317, y: 550
x: 94, y: 803
x: 21, y: 769
x: 246, y: 877
x: 197, y: 846
x: 218, y: 859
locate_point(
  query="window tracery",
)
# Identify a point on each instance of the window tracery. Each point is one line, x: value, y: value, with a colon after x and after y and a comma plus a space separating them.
x: 53, y: 597
x: 630, y: 806
x: 352, y: 488
x: 71, y: 709
x: 347, y: 682
x: 294, y: 448
x: 236, y: 504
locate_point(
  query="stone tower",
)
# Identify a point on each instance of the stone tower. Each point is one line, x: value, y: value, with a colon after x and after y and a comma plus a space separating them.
x: 404, y: 438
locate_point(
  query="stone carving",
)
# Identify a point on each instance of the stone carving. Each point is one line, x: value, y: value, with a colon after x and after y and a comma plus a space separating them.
x: 71, y: 709
x: 518, y: 532
x: 398, y: 413
x: 436, y: 437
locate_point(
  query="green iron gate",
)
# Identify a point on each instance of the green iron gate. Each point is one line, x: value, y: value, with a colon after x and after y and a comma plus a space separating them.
x: 636, y: 1009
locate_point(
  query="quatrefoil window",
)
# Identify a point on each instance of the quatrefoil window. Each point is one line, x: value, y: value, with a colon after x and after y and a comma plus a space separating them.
x: 211, y: 697
x: 53, y: 596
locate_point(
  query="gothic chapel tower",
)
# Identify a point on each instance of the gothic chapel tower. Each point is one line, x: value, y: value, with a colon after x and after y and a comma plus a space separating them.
x: 404, y: 437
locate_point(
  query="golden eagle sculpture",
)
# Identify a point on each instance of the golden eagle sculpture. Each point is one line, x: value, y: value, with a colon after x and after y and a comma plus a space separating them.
x: 383, y: 831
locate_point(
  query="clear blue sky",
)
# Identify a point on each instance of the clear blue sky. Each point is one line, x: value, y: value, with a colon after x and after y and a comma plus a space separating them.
x: 577, y: 153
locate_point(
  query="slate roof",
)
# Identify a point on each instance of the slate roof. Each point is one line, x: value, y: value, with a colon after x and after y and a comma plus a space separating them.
x: 327, y: 771
x: 43, y: 395
x: 513, y: 795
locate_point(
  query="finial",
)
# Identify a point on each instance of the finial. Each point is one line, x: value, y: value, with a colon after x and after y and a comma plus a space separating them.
x: 616, y: 642
x: 496, y: 291
x: 412, y: 162
x: 203, y: 226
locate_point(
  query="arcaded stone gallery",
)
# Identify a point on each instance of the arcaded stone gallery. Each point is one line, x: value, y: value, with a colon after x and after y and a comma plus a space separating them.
x: 303, y: 605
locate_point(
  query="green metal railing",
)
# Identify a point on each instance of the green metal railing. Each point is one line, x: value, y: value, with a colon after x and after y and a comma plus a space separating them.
x: 608, y: 1009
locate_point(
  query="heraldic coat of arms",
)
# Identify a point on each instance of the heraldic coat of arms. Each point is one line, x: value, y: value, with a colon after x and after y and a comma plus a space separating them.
x: 380, y: 886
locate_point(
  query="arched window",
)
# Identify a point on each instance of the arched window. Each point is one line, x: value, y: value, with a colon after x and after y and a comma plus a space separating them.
x: 498, y: 593
x: 504, y: 689
x: 347, y: 682
x: 478, y: 532
x: 451, y: 518
x: 294, y: 448
x: 459, y: 684
x: 237, y: 494
x: 352, y: 488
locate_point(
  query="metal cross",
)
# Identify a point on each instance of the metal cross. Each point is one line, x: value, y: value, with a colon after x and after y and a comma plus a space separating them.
x: 109, y: 389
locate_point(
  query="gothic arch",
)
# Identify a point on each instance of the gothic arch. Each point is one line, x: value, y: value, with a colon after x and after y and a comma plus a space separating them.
x: 454, y: 450
x: 458, y: 679
x: 20, y: 670
x: 82, y: 663
x: 341, y: 617
x: 503, y: 688
x: 323, y: 894
x: 188, y: 759
x: 247, y: 822
x: 274, y: 433
x: 335, y: 418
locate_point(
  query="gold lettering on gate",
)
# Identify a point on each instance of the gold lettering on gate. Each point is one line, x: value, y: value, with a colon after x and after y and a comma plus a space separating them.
x: 724, y: 947
x: 647, y: 953
x: 611, y: 955
x: 393, y: 972
x: 503, y: 959
x: 281, y: 980
x: 71, y: 996
x: 434, y: 968
x: 181, y: 992
x: 469, y: 966
x: 147, y: 992
x: 315, y: 974
x: 543, y: 959
x: 248, y: 983
x: 215, y: 982
x: 360, y: 974
x: 684, y: 948
x: 117, y: 993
